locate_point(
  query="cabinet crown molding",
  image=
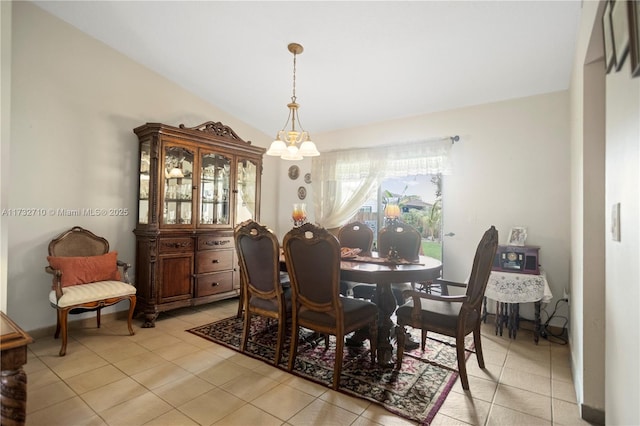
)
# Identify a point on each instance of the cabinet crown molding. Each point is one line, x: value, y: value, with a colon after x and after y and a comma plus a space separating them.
x: 217, y: 128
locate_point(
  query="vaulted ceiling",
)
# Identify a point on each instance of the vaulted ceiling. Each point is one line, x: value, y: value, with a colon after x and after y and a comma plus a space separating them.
x: 363, y: 62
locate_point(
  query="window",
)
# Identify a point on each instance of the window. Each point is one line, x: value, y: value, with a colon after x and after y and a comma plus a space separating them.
x: 420, y: 199
x: 352, y: 184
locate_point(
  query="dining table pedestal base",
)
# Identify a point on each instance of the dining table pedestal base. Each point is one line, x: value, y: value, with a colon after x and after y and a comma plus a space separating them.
x: 386, y: 302
x: 383, y: 272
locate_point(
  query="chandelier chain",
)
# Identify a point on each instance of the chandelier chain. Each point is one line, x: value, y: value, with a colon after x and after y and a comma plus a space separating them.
x: 293, y: 98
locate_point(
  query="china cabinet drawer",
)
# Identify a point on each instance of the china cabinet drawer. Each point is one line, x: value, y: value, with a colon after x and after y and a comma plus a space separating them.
x: 211, y: 242
x: 214, y: 283
x: 213, y: 261
x: 171, y: 245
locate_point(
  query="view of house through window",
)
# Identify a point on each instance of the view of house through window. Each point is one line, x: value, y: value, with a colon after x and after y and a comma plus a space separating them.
x: 420, y: 200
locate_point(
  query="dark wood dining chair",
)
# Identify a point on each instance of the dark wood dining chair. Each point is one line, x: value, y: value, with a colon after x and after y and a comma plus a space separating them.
x: 403, y: 238
x: 312, y: 256
x: 259, y: 260
x: 454, y: 316
x: 405, y: 241
x: 408, y: 243
x: 355, y: 235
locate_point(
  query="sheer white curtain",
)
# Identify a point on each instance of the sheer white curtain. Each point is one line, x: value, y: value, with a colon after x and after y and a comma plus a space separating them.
x: 343, y: 180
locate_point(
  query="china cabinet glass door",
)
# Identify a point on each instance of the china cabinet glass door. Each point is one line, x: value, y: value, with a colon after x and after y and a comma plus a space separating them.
x: 178, y: 186
x: 143, y: 193
x: 215, y: 186
x: 246, y: 198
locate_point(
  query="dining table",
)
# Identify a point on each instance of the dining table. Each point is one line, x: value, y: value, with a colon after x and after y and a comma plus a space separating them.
x: 383, y: 272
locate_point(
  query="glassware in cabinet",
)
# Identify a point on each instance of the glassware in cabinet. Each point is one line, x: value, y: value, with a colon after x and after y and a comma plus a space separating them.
x: 246, y: 196
x: 215, y: 182
x: 143, y: 184
x: 178, y: 186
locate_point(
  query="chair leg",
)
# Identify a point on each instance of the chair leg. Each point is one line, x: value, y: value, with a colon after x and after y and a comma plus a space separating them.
x: 373, y: 340
x: 57, y: 333
x: 62, y: 318
x: 478, y: 345
x: 281, y: 330
x: 246, y: 325
x: 400, y: 333
x: 337, y: 367
x: 240, y: 301
x: 462, y: 365
x: 423, y: 338
x: 293, y: 351
x: 98, y: 312
x: 132, y: 307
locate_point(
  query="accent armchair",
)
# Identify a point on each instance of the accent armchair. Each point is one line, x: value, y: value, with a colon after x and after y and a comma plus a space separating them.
x: 86, y: 277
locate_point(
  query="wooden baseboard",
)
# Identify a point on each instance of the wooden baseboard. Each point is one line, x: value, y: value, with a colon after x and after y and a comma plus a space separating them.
x: 592, y: 415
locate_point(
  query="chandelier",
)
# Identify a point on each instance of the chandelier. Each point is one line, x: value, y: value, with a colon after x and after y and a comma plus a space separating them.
x: 286, y: 143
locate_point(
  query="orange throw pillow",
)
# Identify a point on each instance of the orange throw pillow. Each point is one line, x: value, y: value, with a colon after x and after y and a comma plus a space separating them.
x: 86, y: 269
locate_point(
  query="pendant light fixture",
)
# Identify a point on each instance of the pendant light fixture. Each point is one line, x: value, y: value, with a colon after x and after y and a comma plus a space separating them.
x: 286, y: 143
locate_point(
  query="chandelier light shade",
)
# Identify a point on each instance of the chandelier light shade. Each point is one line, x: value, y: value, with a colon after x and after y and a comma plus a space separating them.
x: 295, y: 143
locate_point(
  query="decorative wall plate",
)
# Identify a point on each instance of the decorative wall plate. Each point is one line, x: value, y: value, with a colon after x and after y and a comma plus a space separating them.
x: 294, y: 172
x: 307, y: 178
x: 302, y: 192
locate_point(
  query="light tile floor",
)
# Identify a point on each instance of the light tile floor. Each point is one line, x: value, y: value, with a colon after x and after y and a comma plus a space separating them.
x: 166, y: 376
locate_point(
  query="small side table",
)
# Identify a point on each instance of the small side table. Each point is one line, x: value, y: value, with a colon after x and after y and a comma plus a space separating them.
x: 509, y: 289
x: 13, y: 379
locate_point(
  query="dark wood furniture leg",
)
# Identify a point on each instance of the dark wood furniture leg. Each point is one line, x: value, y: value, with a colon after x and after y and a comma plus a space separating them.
x: 512, y: 323
x: 386, y: 302
x: 484, y: 310
x: 13, y: 379
x: 386, y: 307
x: 536, y: 330
x: 502, y: 315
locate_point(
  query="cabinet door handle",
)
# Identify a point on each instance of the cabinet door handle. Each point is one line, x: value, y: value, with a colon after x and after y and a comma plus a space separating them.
x: 215, y: 261
x: 215, y: 284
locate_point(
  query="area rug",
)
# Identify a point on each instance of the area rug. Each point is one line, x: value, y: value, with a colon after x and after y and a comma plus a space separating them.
x: 415, y: 392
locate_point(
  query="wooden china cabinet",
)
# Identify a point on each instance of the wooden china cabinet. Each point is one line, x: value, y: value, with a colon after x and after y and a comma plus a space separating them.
x: 195, y: 185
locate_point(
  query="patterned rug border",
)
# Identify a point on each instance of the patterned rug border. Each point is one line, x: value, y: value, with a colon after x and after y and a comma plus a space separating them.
x: 443, y: 393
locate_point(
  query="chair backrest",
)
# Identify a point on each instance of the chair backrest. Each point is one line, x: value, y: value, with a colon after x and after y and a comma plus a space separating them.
x: 401, y: 236
x: 481, y: 269
x: 259, y: 258
x: 356, y: 235
x: 312, y: 255
x: 78, y: 242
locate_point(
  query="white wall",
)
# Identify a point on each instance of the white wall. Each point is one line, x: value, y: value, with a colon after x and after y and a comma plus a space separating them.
x: 75, y: 102
x: 587, y: 288
x: 5, y: 134
x: 622, y: 387
x: 605, y: 162
x: 511, y: 168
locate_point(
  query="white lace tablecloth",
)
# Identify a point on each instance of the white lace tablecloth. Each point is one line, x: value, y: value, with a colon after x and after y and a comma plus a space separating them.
x: 510, y: 287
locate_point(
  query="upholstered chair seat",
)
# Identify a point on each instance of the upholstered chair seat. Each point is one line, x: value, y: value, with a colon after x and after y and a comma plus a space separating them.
x: 79, y: 294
